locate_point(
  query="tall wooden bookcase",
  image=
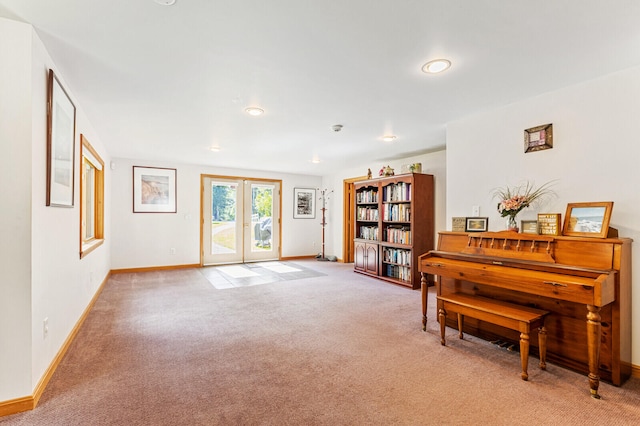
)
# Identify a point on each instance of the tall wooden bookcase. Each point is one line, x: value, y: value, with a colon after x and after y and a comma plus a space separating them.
x: 394, y: 224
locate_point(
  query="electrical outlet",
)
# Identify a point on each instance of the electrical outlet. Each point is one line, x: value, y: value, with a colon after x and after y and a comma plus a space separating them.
x: 475, y: 211
x: 45, y: 328
x: 172, y: 250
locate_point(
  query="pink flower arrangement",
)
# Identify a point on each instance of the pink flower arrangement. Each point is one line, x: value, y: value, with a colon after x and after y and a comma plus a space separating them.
x: 513, y: 200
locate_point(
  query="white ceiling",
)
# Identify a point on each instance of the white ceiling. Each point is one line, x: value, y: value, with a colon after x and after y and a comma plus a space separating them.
x: 166, y: 83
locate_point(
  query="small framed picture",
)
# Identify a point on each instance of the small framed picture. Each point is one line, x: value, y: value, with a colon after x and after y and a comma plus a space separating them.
x: 154, y: 190
x: 549, y: 223
x: 476, y: 224
x: 538, y: 138
x: 587, y: 219
x: 529, y: 226
x: 305, y: 203
x: 458, y: 224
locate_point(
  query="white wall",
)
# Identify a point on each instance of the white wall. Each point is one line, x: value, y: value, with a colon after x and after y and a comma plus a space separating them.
x: 145, y: 239
x: 15, y: 214
x: 595, y: 157
x: 43, y: 276
x: 432, y: 163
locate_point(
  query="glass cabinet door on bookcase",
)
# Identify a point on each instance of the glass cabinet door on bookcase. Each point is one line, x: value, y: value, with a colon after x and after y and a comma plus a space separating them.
x: 367, y: 228
x: 396, y: 231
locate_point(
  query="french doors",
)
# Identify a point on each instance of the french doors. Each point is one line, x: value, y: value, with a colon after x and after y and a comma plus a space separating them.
x: 240, y: 220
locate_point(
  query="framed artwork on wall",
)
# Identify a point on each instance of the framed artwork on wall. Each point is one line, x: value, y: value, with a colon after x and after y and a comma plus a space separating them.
x: 304, y: 203
x: 538, y: 138
x: 587, y: 219
x: 61, y: 135
x: 154, y: 190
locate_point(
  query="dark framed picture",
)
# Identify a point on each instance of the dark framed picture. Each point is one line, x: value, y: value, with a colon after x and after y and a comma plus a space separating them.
x: 154, y: 190
x: 538, y: 138
x: 587, y: 219
x: 61, y: 136
x: 476, y: 224
x: 549, y: 223
x: 305, y: 203
x: 529, y: 226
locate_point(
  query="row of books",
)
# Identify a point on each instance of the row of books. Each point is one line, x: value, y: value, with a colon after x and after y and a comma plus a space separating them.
x: 367, y: 196
x: 397, y: 192
x: 398, y: 235
x: 368, y: 232
x: 399, y: 256
x: 399, y: 272
x: 367, y: 213
x: 397, y: 212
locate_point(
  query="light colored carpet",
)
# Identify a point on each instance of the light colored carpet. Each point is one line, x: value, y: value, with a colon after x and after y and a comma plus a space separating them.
x: 167, y: 348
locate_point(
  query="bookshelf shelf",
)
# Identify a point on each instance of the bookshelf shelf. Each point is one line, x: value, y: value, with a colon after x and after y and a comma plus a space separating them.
x: 394, y: 224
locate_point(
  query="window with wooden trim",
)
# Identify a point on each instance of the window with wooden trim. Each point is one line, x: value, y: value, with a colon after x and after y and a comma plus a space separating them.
x: 91, y: 198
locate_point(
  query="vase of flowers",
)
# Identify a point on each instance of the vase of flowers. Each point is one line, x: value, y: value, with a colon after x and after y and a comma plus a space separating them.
x: 513, y: 199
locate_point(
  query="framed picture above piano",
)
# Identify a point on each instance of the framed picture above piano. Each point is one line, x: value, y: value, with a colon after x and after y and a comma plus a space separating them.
x: 587, y: 219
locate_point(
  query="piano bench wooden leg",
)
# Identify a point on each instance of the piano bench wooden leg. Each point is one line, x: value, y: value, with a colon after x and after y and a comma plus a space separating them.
x: 442, y: 317
x: 460, y: 325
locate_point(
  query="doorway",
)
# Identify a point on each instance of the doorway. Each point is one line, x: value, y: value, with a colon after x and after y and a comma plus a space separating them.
x: 240, y: 220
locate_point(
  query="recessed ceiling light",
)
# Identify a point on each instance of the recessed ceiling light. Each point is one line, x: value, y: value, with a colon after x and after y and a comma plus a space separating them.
x: 436, y: 66
x: 214, y: 148
x: 388, y: 138
x: 255, y: 111
x: 316, y: 161
x: 165, y: 2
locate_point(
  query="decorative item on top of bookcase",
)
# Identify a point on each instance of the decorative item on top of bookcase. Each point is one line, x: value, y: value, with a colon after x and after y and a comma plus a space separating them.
x: 529, y: 226
x: 538, y: 138
x: 458, y: 224
x: 476, y: 224
x: 411, y: 168
x: 61, y: 136
x: 587, y: 219
x: 386, y: 171
x: 549, y: 223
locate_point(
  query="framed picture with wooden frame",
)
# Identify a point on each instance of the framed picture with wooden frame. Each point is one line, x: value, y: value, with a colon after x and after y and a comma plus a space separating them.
x: 587, y: 219
x: 476, y: 224
x: 549, y: 223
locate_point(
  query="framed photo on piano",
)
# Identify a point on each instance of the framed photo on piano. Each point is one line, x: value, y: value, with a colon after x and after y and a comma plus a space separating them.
x: 529, y: 226
x: 549, y: 223
x: 587, y: 219
x: 476, y: 224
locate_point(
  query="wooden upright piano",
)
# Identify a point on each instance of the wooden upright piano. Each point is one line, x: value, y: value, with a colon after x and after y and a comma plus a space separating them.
x: 585, y: 284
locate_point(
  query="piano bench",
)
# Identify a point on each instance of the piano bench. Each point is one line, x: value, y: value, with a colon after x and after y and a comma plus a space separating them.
x: 508, y: 315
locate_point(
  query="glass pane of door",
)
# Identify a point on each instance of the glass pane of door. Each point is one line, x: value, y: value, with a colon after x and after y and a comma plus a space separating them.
x: 262, y: 204
x: 222, y: 230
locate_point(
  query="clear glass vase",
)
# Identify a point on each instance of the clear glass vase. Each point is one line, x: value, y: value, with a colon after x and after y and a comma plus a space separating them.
x: 512, y: 223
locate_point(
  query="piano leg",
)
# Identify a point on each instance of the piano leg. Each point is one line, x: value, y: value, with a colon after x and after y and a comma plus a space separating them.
x: 542, y: 347
x: 594, y: 328
x: 524, y: 354
x: 424, y: 287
